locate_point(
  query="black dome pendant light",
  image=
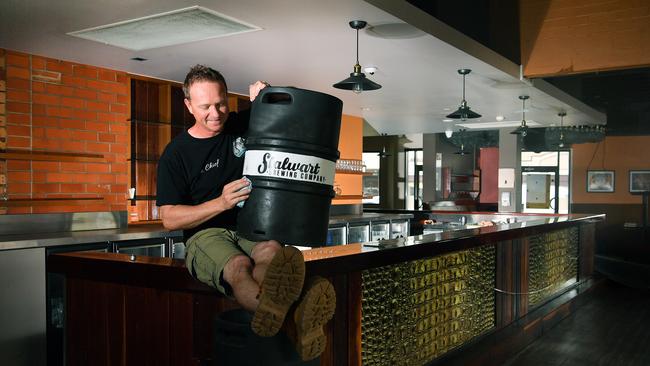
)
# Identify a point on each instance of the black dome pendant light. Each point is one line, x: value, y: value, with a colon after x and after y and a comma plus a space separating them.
x: 463, y: 112
x: 523, y: 129
x: 357, y: 82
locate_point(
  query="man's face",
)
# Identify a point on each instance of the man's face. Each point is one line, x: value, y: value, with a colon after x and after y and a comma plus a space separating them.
x: 208, y: 103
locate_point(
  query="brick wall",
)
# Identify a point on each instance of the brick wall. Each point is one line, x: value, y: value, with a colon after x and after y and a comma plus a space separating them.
x: 56, y: 107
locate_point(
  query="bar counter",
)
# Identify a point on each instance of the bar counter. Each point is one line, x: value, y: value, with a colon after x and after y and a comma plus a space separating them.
x: 470, y: 296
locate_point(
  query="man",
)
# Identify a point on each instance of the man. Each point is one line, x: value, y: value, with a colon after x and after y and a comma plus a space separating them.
x: 199, y: 186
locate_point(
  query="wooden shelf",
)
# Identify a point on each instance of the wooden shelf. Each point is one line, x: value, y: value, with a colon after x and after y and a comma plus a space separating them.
x: 50, y: 156
x: 351, y: 172
x: 348, y: 197
x: 50, y: 201
x: 136, y: 121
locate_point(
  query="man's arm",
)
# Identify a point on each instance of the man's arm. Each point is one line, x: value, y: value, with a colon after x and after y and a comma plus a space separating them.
x: 182, y: 217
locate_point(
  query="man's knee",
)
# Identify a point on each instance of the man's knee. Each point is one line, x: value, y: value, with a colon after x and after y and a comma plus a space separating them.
x: 236, y: 265
x: 265, y: 250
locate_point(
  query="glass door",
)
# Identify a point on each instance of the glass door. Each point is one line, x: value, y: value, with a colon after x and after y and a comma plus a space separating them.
x: 540, y: 189
x: 555, y: 166
x: 370, y: 178
x: 413, y: 181
x: 359, y: 233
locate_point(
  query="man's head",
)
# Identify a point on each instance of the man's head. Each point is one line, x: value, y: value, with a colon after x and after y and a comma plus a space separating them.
x: 207, y: 100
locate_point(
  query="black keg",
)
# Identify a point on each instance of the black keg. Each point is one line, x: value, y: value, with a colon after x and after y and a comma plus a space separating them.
x: 291, y: 152
x: 235, y: 344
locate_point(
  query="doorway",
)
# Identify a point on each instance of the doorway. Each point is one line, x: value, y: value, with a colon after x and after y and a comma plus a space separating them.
x: 545, y: 178
x: 414, y: 186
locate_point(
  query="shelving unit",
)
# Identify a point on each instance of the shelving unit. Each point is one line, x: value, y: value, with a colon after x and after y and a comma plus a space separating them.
x: 29, y: 155
x: 351, y: 173
x: 21, y: 202
x: 347, y: 172
x: 348, y: 197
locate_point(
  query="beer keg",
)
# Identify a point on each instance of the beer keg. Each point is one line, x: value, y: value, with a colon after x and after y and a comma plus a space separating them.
x: 291, y: 152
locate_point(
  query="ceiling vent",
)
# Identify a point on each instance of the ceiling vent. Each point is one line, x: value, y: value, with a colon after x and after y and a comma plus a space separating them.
x: 180, y: 26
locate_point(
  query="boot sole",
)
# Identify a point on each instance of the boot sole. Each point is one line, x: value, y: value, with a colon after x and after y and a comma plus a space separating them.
x: 315, y: 310
x: 280, y: 288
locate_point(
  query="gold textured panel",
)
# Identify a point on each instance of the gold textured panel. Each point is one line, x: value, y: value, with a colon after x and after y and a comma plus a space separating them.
x: 552, y: 263
x: 415, y: 311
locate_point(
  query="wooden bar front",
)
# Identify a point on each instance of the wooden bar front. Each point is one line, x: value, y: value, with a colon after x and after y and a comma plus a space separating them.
x: 149, y: 311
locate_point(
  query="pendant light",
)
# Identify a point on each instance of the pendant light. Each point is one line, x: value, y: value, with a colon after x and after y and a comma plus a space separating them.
x: 463, y: 112
x: 383, y: 153
x: 523, y: 129
x: 357, y: 82
x: 449, y: 132
x: 561, y: 142
x: 462, y: 151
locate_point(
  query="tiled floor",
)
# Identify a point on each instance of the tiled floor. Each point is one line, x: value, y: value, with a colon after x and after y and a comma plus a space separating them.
x: 612, y: 329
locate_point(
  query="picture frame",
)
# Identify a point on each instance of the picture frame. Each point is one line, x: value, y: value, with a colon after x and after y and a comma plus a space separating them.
x: 639, y: 181
x: 600, y: 181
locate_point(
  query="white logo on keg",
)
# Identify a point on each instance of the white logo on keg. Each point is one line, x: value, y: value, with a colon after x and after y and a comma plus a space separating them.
x: 289, y: 166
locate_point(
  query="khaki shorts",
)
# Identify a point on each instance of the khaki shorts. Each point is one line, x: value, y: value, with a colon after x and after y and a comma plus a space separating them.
x: 209, y: 250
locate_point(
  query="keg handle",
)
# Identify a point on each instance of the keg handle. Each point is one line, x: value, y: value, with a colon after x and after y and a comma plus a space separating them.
x: 272, y: 97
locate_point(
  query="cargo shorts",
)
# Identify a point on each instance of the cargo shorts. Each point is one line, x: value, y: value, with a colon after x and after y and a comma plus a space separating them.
x: 208, y: 251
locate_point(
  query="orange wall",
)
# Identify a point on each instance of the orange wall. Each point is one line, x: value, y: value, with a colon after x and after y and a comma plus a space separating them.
x: 54, y: 106
x: 618, y: 153
x: 572, y: 36
x: 350, y: 147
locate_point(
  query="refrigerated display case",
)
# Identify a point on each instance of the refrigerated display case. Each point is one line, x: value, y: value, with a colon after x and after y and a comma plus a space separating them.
x: 178, y: 248
x: 154, y: 247
x: 399, y: 229
x: 359, y: 232
x: 380, y: 230
x: 336, y: 235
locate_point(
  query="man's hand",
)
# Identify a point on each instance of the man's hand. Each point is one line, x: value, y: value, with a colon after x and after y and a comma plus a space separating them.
x: 254, y: 89
x: 234, y: 192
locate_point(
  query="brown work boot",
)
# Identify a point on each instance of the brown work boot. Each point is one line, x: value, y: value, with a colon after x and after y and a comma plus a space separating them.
x: 314, y: 310
x: 280, y: 288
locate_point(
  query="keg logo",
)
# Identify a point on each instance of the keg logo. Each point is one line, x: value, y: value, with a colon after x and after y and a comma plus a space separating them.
x: 289, y: 166
x: 238, y: 147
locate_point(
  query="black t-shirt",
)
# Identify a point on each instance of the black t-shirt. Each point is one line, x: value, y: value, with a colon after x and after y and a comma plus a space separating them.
x: 192, y: 170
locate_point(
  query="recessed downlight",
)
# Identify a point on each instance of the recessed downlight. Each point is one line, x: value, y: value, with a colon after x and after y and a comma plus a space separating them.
x: 447, y: 120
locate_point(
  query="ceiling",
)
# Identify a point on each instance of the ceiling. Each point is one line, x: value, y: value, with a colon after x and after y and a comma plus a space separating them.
x: 624, y: 95
x: 308, y: 44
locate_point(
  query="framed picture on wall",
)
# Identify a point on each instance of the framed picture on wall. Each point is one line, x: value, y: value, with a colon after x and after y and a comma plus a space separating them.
x: 639, y: 181
x: 601, y: 181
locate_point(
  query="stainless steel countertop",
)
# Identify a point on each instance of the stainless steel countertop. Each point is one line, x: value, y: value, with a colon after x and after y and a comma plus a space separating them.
x: 135, y: 232
x: 44, y: 240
